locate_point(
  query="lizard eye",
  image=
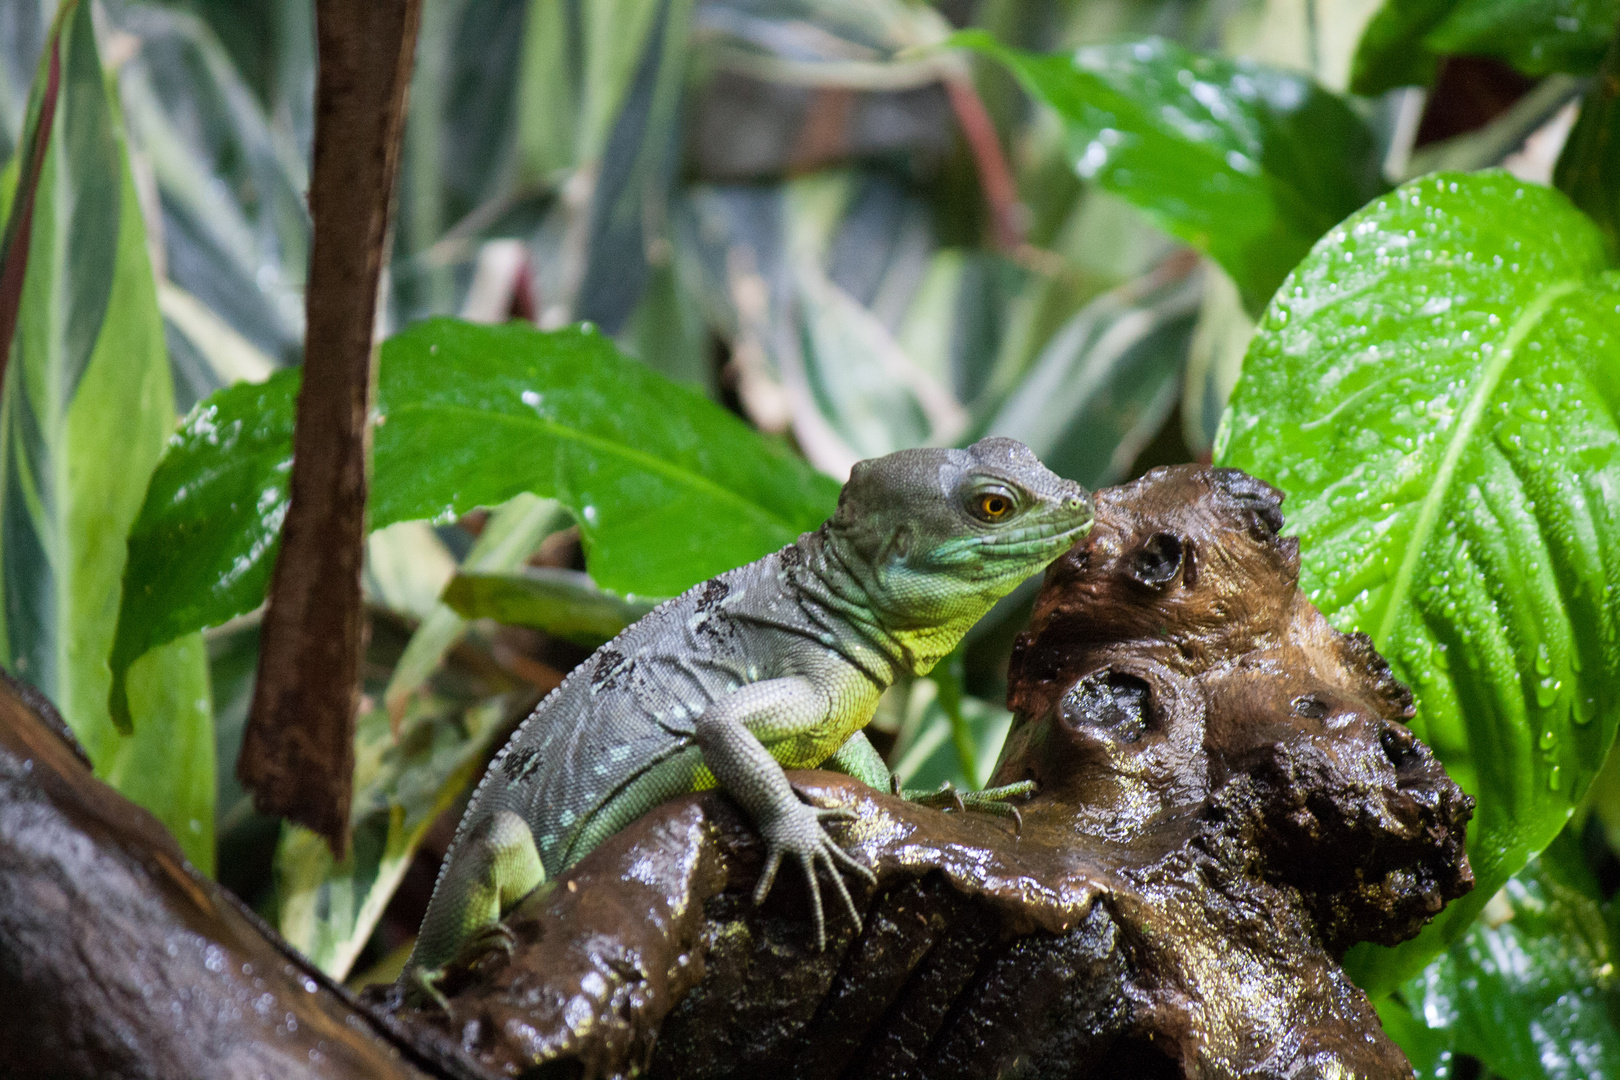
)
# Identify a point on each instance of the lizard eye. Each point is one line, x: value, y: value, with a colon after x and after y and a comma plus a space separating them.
x: 992, y: 505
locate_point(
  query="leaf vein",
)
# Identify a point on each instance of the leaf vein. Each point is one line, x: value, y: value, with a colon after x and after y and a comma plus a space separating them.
x: 642, y: 459
x: 1429, y: 513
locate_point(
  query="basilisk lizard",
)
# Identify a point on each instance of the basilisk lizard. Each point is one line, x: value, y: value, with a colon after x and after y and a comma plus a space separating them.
x: 774, y: 665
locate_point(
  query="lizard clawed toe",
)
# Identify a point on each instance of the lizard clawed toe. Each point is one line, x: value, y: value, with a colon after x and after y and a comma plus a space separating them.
x: 496, y: 937
x: 423, y: 983
x: 802, y: 834
x: 991, y: 801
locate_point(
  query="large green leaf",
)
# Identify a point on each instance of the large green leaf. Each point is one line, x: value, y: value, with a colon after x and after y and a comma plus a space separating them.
x: 1435, y: 388
x: 1530, y: 989
x: 668, y: 488
x: 87, y: 404
x: 1247, y: 163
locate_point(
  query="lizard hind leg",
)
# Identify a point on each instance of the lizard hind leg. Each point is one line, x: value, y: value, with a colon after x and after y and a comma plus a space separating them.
x: 492, y: 868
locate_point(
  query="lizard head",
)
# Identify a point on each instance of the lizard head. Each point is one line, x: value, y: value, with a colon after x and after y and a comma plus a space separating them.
x: 936, y: 536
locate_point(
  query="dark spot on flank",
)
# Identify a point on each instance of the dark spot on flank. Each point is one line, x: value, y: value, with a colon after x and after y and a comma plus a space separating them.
x: 608, y: 663
x: 713, y: 592
x: 519, y: 763
x: 790, y: 556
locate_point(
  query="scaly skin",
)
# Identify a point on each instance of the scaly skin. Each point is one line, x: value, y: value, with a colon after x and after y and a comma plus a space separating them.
x: 771, y: 666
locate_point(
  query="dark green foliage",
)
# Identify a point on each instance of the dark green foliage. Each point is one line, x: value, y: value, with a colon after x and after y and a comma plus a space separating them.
x: 667, y: 487
x: 1530, y: 990
x: 1247, y: 163
x: 1403, y: 43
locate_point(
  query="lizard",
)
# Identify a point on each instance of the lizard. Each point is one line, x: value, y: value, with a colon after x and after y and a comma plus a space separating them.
x: 774, y: 665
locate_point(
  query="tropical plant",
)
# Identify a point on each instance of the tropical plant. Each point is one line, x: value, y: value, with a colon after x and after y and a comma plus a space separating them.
x: 760, y: 240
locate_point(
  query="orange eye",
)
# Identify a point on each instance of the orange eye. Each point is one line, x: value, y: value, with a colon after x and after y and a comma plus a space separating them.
x: 994, y: 507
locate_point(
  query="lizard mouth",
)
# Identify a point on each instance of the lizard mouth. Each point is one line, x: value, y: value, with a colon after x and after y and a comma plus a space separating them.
x: 1039, y: 542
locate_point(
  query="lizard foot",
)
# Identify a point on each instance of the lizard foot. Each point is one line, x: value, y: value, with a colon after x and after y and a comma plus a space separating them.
x: 987, y: 801
x: 422, y: 984
x: 490, y: 939
x: 798, y: 830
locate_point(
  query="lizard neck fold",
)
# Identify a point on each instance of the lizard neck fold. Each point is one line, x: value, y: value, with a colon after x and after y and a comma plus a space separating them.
x: 828, y: 585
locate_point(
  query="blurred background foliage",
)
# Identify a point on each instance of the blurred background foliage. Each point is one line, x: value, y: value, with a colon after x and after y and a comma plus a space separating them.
x: 815, y: 215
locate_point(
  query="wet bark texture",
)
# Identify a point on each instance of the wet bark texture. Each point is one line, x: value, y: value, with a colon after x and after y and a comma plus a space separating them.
x: 117, y: 959
x: 1228, y: 799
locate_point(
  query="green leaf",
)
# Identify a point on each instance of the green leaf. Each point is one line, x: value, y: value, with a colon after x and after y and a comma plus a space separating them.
x: 668, y: 488
x: 1588, y: 169
x: 855, y: 392
x: 86, y: 406
x: 1247, y: 163
x: 1539, y: 37
x: 459, y: 140
x: 637, y: 162
x: 201, y: 550
x: 563, y: 603
x: 1391, y: 52
x: 1530, y: 989
x: 1405, y: 40
x: 167, y: 766
x: 1434, y: 388
x: 1431, y: 1053
x: 546, y: 110
x: 236, y: 230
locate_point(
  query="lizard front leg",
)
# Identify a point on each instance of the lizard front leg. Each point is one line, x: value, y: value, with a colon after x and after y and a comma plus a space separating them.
x: 859, y: 758
x: 732, y: 733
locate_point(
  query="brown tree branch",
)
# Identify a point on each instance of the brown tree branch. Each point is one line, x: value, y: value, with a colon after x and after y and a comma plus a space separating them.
x: 1205, y: 748
x: 298, y: 753
x: 995, y: 175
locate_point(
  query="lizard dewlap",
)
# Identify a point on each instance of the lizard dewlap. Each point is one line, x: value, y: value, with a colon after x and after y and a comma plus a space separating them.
x: 771, y: 666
